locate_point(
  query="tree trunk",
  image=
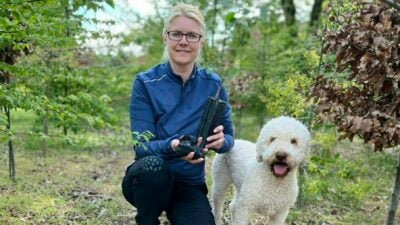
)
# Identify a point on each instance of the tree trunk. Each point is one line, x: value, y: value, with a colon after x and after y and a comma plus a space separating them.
x: 289, y: 10
x: 12, y: 160
x: 302, y: 181
x: 46, y: 133
x: 11, y: 165
x: 67, y: 12
x: 315, y: 13
x: 46, y: 119
x: 261, y: 118
x: 303, y: 168
x: 395, y: 196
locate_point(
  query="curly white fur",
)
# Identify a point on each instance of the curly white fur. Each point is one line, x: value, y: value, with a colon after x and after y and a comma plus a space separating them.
x: 263, y: 174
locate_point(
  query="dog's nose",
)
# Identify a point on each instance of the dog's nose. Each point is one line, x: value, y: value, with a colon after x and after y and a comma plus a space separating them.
x: 280, y: 156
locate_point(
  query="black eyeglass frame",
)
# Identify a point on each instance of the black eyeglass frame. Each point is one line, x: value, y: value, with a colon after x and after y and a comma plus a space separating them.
x: 183, y: 34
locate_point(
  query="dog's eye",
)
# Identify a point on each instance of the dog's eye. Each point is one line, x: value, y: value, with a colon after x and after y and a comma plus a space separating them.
x: 293, y: 141
x: 272, y: 139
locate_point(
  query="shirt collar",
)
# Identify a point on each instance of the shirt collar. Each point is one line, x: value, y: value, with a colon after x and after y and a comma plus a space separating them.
x: 178, y: 78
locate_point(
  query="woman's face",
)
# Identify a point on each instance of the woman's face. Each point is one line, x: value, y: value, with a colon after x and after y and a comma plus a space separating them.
x: 183, y: 52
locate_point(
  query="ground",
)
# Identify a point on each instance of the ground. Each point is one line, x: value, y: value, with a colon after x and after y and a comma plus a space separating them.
x: 83, y: 187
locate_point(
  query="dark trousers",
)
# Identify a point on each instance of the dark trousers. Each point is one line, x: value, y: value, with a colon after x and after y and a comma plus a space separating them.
x: 150, y: 187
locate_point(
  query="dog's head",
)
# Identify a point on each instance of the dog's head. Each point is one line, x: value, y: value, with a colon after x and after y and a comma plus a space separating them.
x: 283, y: 145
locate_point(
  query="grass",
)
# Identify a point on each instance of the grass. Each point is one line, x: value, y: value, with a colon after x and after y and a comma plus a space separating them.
x: 66, y: 187
x: 345, y: 184
x: 352, y: 186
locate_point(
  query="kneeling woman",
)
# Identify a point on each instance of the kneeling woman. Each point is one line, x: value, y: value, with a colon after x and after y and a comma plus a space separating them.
x: 168, y: 100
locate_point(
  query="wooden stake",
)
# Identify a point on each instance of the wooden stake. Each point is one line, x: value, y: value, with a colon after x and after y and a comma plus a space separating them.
x: 11, y: 164
x: 395, y: 196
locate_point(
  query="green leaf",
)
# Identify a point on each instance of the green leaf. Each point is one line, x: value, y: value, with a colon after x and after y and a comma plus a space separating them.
x: 110, y: 3
x: 230, y: 18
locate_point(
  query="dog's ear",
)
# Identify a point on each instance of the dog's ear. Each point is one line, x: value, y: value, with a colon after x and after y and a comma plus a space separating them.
x: 259, y: 158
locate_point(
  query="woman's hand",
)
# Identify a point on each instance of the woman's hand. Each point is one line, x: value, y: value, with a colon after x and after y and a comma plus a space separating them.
x: 175, y: 143
x: 216, y: 140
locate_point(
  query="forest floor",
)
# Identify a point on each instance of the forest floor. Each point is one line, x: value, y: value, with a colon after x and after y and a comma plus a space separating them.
x: 83, y: 187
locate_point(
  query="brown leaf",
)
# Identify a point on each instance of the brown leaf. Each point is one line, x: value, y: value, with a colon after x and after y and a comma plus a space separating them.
x: 365, y: 61
x: 356, y: 124
x: 387, y: 86
x: 368, y: 49
x: 366, y: 125
x: 381, y: 46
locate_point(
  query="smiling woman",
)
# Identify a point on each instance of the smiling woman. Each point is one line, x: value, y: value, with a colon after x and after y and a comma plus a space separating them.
x: 183, y: 52
x: 167, y: 100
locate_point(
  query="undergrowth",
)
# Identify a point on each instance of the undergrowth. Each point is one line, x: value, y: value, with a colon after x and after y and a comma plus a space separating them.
x: 344, y: 183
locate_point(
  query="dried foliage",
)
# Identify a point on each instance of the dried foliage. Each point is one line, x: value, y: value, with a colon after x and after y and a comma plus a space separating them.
x: 368, y: 104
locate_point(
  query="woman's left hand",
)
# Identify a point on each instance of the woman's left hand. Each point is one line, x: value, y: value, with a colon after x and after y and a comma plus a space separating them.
x: 216, y: 140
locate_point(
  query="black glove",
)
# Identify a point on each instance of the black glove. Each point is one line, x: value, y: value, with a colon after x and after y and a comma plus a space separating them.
x: 187, y: 145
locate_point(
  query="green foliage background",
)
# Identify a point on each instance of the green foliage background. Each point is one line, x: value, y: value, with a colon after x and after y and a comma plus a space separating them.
x: 74, y: 101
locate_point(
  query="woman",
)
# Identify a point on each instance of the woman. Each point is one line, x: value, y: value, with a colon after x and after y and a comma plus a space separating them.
x: 168, y: 101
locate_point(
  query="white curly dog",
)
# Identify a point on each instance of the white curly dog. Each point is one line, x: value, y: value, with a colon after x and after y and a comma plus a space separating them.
x: 263, y: 174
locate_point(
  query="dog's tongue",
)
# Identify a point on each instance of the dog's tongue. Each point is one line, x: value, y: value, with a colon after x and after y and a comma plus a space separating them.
x: 280, y: 169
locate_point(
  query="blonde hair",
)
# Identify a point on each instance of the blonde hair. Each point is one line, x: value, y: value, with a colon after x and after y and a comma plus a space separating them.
x: 189, y: 11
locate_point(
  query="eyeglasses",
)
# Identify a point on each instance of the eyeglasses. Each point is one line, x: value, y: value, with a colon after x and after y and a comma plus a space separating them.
x: 177, y: 36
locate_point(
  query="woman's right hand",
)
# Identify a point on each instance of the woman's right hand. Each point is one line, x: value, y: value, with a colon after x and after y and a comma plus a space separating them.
x: 175, y: 143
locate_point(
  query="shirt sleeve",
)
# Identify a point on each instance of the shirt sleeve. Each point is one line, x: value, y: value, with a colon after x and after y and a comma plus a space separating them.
x: 142, y: 119
x: 228, y: 125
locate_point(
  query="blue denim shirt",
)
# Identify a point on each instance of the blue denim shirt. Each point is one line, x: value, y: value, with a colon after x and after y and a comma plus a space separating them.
x: 162, y: 104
